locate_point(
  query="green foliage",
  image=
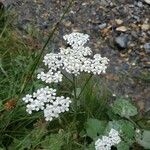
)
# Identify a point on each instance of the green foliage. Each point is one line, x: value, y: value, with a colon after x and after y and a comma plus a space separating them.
x: 144, y: 139
x: 95, y: 96
x: 2, y: 16
x: 16, y: 59
x: 95, y: 127
x: 124, y: 108
x: 54, y: 141
x: 123, y: 146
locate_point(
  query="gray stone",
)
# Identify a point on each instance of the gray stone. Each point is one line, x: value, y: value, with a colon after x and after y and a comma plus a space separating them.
x: 147, y: 1
x: 147, y: 48
x: 102, y: 26
x: 140, y: 4
x: 122, y: 41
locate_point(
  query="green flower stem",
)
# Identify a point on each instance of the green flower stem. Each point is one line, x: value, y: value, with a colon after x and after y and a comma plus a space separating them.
x: 87, y: 81
x: 134, y: 123
x: 74, y: 89
x: 67, y: 78
x: 75, y: 98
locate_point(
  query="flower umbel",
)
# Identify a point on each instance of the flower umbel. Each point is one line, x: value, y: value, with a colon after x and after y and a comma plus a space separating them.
x: 45, y: 99
x: 108, y: 141
x: 74, y: 59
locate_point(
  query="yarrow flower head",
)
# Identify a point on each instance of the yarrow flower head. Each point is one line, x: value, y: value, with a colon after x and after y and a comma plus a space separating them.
x: 45, y: 99
x: 75, y: 59
x: 108, y: 141
x: 76, y: 39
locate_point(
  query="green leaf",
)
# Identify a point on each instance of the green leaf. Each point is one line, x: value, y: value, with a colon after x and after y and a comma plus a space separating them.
x: 95, y: 127
x: 145, y: 140
x: 91, y: 146
x: 124, y: 127
x: 123, y: 146
x: 21, y: 144
x: 78, y: 91
x: 37, y: 134
x: 53, y: 142
x: 124, y: 108
x: 112, y: 115
x: 1, y: 105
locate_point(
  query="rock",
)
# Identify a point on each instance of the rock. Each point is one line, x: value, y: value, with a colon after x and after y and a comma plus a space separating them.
x: 118, y: 21
x: 103, y: 3
x: 122, y: 41
x: 136, y: 73
x: 125, y: 66
x: 137, y: 18
x: 102, y: 26
x: 134, y: 34
x: 121, y: 28
x: 140, y: 4
x: 145, y: 26
x: 45, y: 25
x: 147, y: 1
x: 147, y: 48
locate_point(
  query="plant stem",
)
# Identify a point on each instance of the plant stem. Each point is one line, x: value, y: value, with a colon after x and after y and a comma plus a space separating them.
x: 67, y: 78
x: 135, y: 124
x: 75, y: 97
x: 74, y: 87
x: 87, y: 81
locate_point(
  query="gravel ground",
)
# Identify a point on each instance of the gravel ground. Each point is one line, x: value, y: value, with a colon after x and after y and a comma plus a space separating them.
x: 119, y: 29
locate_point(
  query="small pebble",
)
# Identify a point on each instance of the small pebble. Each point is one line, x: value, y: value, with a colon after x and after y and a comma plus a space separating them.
x: 147, y: 1
x: 122, y: 29
x: 122, y: 41
x: 140, y: 4
x: 102, y: 26
x: 147, y: 48
x: 145, y: 26
x: 118, y: 21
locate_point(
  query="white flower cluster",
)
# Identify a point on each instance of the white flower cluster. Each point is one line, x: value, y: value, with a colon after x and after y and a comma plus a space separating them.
x: 74, y: 60
x: 76, y: 39
x: 108, y: 141
x: 45, y: 99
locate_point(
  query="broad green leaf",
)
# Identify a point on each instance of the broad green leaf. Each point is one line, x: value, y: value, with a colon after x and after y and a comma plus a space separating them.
x: 95, y: 127
x: 145, y: 140
x: 53, y: 142
x: 112, y: 115
x: 124, y: 108
x: 123, y: 146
